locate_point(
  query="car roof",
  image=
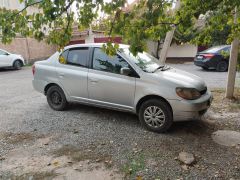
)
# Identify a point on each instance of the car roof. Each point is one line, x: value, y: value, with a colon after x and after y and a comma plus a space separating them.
x: 221, y: 46
x: 3, y: 50
x: 93, y: 45
x: 215, y: 49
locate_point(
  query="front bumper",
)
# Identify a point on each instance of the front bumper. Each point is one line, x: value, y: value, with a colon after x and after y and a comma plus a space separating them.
x: 185, y: 110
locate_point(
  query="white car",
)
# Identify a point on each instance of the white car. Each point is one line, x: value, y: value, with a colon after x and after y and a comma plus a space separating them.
x: 157, y: 93
x: 8, y: 59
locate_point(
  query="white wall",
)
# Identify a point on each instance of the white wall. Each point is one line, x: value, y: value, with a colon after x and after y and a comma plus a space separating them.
x: 185, y: 50
x: 15, y: 4
x: 11, y: 4
x: 175, y: 51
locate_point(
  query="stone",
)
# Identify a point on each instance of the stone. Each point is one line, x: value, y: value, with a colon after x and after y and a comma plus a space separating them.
x: 226, y: 138
x: 184, y: 167
x: 186, y: 158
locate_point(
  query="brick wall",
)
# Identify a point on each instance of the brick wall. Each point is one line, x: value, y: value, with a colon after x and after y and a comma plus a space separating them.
x: 40, y: 50
x: 29, y: 48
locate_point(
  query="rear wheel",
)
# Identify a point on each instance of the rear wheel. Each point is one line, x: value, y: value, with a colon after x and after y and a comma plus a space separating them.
x: 156, y: 115
x: 56, y: 98
x: 17, y: 65
x: 222, y: 66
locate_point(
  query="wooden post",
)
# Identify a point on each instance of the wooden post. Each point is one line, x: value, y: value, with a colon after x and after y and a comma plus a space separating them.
x: 232, y: 64
x: 168, y: 39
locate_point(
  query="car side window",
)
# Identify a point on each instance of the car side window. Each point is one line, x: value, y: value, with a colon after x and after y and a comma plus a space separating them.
x: 103, y: 62
x: 2, y: 52
x: 63, y: 57
x: 75, y: 56
x: 227, y: 49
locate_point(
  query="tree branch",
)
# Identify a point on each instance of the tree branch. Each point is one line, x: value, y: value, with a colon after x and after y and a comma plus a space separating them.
x: 112, y: 24
x: 27, y: 6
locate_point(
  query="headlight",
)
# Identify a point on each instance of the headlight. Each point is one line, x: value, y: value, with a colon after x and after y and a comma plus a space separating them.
x: 188, y: 93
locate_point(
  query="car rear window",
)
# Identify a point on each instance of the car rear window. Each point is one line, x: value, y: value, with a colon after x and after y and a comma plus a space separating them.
x: 75, y: 56
x: 216, y: 49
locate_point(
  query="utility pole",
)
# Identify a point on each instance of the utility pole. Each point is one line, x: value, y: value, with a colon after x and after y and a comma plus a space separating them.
x: 168, y: 38
x: 232, y: 63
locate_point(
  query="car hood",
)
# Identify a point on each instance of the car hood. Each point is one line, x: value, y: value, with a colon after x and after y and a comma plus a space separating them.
x: 16, y: 55
x: 182, y: 78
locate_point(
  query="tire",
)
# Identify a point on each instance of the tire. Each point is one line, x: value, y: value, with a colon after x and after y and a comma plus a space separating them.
x: 17, y: 65
x: 56, y: 98
x: 205, y: 68
x: 164, y: 112
x: 222, y: 66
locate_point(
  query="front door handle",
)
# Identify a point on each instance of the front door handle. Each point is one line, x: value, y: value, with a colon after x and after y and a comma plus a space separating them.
x: 93, y: 80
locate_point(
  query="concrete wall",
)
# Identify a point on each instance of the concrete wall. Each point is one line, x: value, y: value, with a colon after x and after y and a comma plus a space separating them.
x: 29, y: 48
x: 185, y: 50
x: 152, y: 48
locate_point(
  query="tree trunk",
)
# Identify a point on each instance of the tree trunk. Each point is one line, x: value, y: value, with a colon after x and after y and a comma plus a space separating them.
x: 232, y: 64
x: 158, y: 48
x: 168, y: 39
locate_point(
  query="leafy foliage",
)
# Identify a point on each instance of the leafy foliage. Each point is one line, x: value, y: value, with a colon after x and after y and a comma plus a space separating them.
x: 54, y: 20
x: 217, y: 21
x: 146, y: 20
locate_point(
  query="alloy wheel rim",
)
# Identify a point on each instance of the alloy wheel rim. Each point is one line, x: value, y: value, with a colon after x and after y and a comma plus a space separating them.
x: 154, y: 116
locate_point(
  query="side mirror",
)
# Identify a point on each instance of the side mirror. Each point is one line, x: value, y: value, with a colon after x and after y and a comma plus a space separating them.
x: 6, y: 54
x: 125, y: 71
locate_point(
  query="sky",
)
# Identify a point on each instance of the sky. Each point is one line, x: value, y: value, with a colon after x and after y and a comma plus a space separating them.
x: 100, y: 14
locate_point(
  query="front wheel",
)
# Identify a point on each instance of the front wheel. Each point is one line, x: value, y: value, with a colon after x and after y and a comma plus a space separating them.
x: 156, y: 115
x: 56, y: 98
x: 17, y: 65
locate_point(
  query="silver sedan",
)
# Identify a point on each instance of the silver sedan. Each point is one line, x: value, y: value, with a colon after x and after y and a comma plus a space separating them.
x: 157, y: 93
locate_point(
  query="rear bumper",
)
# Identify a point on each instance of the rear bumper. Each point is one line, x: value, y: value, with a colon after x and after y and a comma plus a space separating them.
x: 200, y: 63
x: 185, y: 110
x: 38, y: 85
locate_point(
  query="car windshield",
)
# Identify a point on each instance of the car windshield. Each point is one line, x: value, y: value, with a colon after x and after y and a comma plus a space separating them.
x: 143, y: 60
x: 216, y: 49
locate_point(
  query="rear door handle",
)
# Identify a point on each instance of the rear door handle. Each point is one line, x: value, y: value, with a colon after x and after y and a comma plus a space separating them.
x: 93, y: 80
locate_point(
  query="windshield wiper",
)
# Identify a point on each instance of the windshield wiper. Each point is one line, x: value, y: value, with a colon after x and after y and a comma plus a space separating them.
x: 159, y: 67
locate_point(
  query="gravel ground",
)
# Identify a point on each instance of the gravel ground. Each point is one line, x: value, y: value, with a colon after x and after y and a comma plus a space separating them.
x: 39, y: 143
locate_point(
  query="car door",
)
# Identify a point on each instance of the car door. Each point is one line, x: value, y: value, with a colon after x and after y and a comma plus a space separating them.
x: 4, y: 59
x: 72, y: 70
x: 106, y: 86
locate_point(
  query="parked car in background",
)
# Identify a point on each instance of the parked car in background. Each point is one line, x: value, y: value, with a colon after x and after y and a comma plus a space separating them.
x: 214, y: 58
x: 8, y: 59
x: 157, y: 93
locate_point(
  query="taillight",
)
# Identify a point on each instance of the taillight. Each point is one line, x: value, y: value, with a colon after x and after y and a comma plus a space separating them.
x: 208, y: 56
x: 33, y: 69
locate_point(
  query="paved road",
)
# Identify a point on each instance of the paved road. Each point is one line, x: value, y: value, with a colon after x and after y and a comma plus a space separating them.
x: 212, y: 78
x: 35, y: 139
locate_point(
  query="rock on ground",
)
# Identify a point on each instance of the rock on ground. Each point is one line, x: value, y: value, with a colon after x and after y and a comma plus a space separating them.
x: 226, y: 137
x: 186, y: 158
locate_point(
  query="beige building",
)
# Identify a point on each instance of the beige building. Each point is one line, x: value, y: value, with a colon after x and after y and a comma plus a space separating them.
x: 29, y: 48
